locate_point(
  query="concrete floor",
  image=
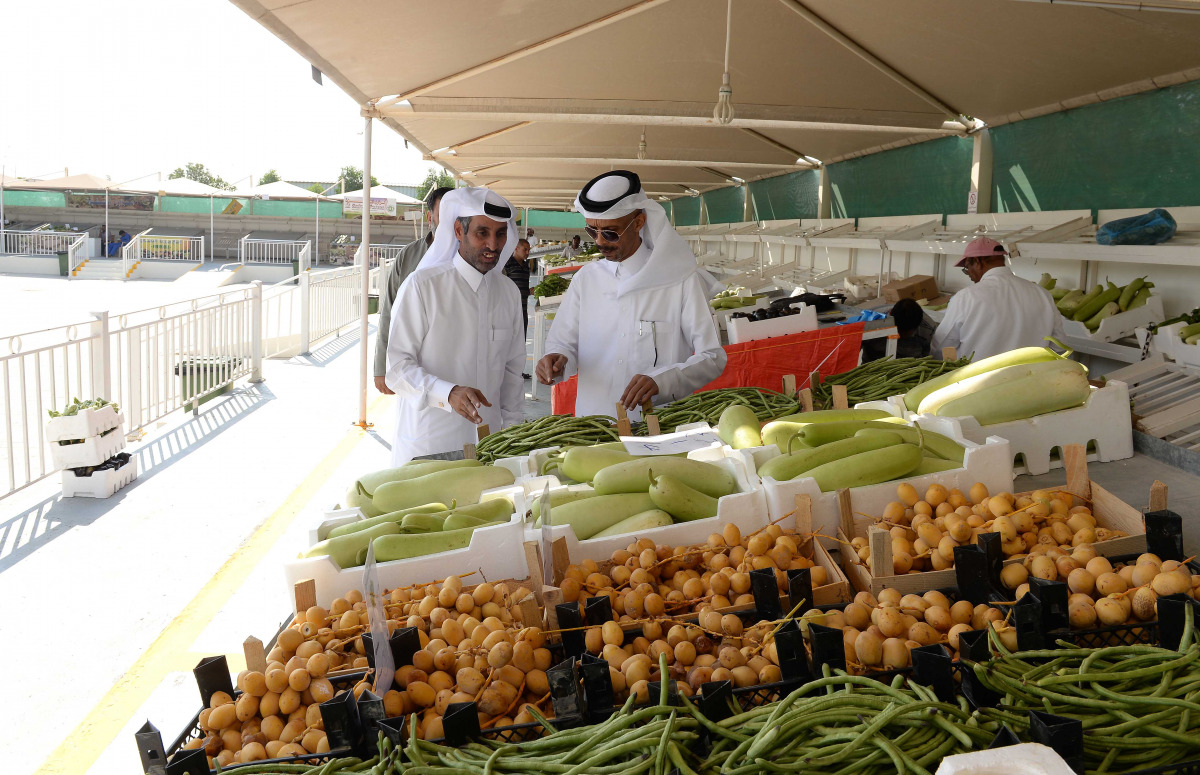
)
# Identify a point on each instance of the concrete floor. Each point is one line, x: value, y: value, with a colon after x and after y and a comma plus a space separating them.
x: 182, y: 564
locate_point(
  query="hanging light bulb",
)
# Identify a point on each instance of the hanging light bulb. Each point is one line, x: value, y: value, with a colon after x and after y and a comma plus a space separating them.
x: 723, y: 113
x: 641, y: 152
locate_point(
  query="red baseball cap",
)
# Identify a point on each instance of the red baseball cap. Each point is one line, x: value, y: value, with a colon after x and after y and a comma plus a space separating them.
x: 982, y: 247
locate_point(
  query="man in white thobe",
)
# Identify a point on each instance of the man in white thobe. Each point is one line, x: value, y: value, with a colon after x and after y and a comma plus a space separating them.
x: 999, y: 312
x: 456, y: 349
x: 637, y: 325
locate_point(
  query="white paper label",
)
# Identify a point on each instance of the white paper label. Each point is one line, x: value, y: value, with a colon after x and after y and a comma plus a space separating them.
x: 670, y: 443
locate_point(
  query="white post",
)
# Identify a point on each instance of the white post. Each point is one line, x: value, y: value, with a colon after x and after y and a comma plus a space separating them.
x: 317, y: 241
x: 3, y: 246
x: 212, y: 231
x: 256, y: 331
x: 363, y: 370
x: 747, y: 204
x: 107, y: 236
x: 979, y: 199
x: 101, y: 365
x: 305, y: 312
x: 824, y: 194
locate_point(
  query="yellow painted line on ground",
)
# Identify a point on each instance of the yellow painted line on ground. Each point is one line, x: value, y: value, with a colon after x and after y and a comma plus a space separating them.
x: 80, y: 749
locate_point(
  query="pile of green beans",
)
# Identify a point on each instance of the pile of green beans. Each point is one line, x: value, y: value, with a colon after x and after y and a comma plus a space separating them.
x: 550, y: 431
x: 708, y: 405
x: 881, y: 379
x: 1140, y: 705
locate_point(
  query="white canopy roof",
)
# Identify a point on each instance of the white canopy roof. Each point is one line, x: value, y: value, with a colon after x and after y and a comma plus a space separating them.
x: 548, y: 94
x: 183, y: 187
x: 280, y: 189
x: 381, y: 192
x: 81, y: 182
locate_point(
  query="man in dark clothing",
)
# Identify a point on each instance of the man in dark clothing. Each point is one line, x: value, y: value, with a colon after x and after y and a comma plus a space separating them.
x: 517, y: 270
x: 908, y: 316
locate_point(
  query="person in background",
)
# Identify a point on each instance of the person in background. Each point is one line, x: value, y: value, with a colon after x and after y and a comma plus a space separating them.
x: 103, y: 240
x: 455, y: 351
x: 637, y: 325
x: 517, y: 270
x: 908, y: 316
x: 125, y: 238
x: 114, y: 245
x: 397, y: 271
x: 572, y: 249
x: 1000, y: 312
x: 531, y: 239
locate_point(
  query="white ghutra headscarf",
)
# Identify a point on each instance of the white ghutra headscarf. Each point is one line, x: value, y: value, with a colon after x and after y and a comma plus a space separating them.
x: 617, y: 194
x: 462, y: 203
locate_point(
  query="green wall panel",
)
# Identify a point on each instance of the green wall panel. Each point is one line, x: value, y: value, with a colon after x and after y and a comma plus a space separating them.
x: 195, y: 204
x: 1137, y: 151
x: 725, y: 205
x: 667, y: 207
x: 687, y: 210
x: 285, y: 209
x: 929, y: 177
x: 555, y: 219
x: 793, y: 195
x: 35, y: 198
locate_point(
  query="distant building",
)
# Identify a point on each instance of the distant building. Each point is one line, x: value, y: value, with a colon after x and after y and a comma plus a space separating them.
x: 406, y: 190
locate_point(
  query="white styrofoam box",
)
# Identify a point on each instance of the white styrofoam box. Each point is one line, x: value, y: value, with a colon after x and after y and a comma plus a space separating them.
x: 1167, y: 342
x: 92, y: 452
x: 893, y: 406
x: 519, y: 466
x: 101, y: 484
x: 742, y: 330
x: 330, y: 518
x: 989, y: 463
x: 722, y: 315
x: 747, y: 509
x: 88, y: 423
x: 861, y: 287
x: 1120, y: 325
x: 1022, y: 759
x: 1104, y: 419
x: 495, y: 551
x: 550, y: 301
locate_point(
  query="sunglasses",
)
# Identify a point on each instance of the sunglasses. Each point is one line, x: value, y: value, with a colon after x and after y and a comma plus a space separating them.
x: 609, y: 235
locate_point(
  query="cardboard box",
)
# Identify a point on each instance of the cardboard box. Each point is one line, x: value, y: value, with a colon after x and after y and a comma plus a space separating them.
x: 920, y: 286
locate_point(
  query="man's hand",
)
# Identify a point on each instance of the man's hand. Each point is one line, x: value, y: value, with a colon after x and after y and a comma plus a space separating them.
x: 639, y: 390
x: 551, y: 366
x: 381, y: 386
x: 466, y: 400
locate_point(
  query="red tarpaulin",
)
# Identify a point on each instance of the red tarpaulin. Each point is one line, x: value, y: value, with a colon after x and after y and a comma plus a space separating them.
x: 764, y: 363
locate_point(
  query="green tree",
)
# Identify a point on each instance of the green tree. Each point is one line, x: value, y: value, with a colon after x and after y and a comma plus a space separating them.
x: 316, y: 188
x: 433, y: 179
x: 354, y: 178
x: 271, y: 177
x: 198, y: 172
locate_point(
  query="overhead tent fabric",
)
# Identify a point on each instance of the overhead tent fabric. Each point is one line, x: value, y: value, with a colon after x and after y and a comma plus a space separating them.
x: 519, y: 105
x: 381, y: 192
x: 84, y: 182
x: 280, y: 189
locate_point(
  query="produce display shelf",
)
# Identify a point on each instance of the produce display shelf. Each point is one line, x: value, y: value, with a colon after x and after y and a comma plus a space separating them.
x: 1080, y: 244
x: 872, y: 233
x: 1103, y: 423
x: 1006, y: 228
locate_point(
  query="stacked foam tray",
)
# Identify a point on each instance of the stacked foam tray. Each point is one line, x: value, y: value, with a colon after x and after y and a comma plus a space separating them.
x: 87, y: 447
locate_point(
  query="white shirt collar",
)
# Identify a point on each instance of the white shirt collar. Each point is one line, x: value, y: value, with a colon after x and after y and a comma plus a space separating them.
x: 623, y: 270
x: 997, y: 273
x: 469, y: 273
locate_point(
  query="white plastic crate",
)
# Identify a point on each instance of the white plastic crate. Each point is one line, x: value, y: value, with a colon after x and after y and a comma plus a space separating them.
x: 1120, y: 325
x: 742, y: 330
x: 85, y: 424
x: 92, y: 452
x: 747, y: 509
x: 1104, y: 422
x: 101, y: 484
x: 332, y: 517
x: 1167, y: 342
x: 722, y: 316
x: 989, y: 463
x: 495, y: 551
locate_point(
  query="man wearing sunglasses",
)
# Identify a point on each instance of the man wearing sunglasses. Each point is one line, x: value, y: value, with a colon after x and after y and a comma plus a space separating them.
x: 999, y: 312
x: 637, y: 325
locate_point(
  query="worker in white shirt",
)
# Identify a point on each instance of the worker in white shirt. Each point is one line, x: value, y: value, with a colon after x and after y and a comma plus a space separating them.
x: 572, y: 249
x: 1000, y: 312
x: 457, y: 349
x: 637, y: 325
x: 531, y: 239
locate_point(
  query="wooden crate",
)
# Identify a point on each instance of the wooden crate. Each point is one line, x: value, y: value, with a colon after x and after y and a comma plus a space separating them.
x: 835, y: 590
x: 1110, y: 511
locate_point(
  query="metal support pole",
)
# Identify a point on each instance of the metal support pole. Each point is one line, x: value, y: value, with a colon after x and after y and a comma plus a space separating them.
x: 212, y: 231
x: 824, y: 194
x: 101, y: 364
x: 3, y: 244
x: 363, y: 329
x: 107, y: 234
x: 979, y: 200
x: 317, y: 241
x: 305, y: 312
x: 256, y: 331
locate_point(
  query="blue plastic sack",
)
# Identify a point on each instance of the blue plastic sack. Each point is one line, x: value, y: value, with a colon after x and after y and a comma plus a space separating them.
x: 1150, y: 229
x: 865, y: 316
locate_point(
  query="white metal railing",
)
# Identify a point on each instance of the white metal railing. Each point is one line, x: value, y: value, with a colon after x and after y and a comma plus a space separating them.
x: 77, y: 253
x: 383, y: 255
x: 270, y: 251
x: 305, y: 256
x: 155, y: 361
x: 152, y: 247
x: 37, y: 243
